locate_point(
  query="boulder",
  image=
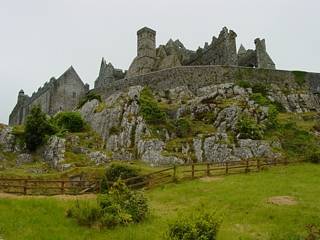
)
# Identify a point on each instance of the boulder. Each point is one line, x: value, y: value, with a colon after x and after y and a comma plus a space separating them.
x: 7, y: 139
x: 98, y: 157
x: 54, y: 151
x: 24, y: 158
x: 150, y: 152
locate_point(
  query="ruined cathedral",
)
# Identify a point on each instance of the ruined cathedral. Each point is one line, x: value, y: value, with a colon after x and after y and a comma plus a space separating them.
x: 65, y: 92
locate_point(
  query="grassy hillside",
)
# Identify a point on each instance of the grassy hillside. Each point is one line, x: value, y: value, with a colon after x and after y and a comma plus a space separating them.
x: 241, y: 199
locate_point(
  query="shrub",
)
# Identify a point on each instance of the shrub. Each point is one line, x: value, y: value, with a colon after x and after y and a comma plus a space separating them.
x: 120, y: 206
x: 183, y: 127
x: 243, y: 84
x: 198, y: 226
x: 279, y: 106
x: 118, y: 171
x: 71, y: 121
x: 298, y: 143
x: 248, y: 128
x: 89, y: 97
x: 260, y: 99
x: 149, y: 108
x: 260, y: 88
x: 272, y: 117
x: 314, y: 156
x: 37, y: 128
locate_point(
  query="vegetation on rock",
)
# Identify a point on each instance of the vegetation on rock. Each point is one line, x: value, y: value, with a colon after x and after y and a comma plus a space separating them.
x: 89, y: 97
x: 149, y: 108
x: 247, y: 127
x: 70, y: 121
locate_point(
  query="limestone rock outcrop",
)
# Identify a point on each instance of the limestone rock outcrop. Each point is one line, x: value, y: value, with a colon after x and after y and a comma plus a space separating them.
x: 54, y: 151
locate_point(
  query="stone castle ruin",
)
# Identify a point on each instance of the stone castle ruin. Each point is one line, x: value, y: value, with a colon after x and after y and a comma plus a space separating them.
x: 61, y: 94
x: 155, y: 67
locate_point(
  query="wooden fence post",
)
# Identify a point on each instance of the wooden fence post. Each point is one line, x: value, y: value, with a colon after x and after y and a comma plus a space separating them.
x: 208, y: 169
x: 25, y: 187
x: 62, y: 187
x: 247, y: 166
x: 192, y: 167
x: 227, y: 168
x: 174, y: 173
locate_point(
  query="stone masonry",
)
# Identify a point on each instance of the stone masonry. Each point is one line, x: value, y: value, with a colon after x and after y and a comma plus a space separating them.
x: 62, y: 94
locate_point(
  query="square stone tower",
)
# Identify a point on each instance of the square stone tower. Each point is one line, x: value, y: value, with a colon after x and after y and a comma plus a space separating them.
x: 146, y: 53
x: 146, y: 43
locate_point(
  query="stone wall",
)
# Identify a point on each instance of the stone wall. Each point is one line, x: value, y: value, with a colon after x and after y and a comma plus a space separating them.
x: 62, y: 94
x: 195, y: 77
x: 222, y: 51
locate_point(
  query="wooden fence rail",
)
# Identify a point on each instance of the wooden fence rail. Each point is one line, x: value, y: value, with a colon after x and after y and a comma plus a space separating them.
x: 170, y: 174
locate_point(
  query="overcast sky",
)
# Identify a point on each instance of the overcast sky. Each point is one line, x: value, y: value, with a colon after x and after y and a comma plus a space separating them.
x: 41, y: 38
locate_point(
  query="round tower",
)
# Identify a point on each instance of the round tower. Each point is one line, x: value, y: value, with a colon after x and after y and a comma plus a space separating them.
x: 20, y: 95
x: 146, y: 43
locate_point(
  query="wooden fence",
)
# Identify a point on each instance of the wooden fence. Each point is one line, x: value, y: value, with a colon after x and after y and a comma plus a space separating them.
x: 48, y: 187
x: 170, y: 174
x: 75, y: 187
x: 224, y: 168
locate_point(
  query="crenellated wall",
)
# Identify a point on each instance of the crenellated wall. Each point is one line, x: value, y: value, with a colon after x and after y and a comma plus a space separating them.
x: 199, y: 76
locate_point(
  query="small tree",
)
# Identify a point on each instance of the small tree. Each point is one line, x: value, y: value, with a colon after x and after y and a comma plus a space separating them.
x: 37, y: 128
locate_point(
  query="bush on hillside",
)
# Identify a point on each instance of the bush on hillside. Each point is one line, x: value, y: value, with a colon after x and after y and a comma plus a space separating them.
x: 149, y: 108
x: 118, y: 171
x: 183, y: 127
x: 247, y: 127
x: 201, y: 225
x: 313, y: 156
x: 260, y: 99
x: 71, y: 121
x: 37, y: 128
x: 121, y: 206
x: 296, y: 142
x: 260, y: 88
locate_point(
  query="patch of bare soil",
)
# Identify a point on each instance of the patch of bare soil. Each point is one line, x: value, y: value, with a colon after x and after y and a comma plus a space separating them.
x: 211, y: 179
x: 282, y: 200
x: 59, y: 197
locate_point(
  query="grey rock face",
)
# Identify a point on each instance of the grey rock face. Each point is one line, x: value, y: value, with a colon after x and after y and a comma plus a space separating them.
x: 24, y: 158
x: 216, y: 148
x: 227, y: 118
x: 98, y: 157
x: 197, y: 146
x: 150, y: 152
x: 7, y: 139
x: 54, y: 151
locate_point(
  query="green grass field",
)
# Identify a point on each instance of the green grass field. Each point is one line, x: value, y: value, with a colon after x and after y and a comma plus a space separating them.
x: 241, y: 199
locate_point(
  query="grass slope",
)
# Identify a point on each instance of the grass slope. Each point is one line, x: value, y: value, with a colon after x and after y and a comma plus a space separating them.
x: 242, y: 199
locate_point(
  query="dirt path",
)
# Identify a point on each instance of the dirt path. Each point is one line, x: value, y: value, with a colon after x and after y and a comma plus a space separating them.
x: 59, y: 197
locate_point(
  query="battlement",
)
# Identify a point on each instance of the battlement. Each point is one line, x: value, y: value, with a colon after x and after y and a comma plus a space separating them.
x: 195, y: 77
